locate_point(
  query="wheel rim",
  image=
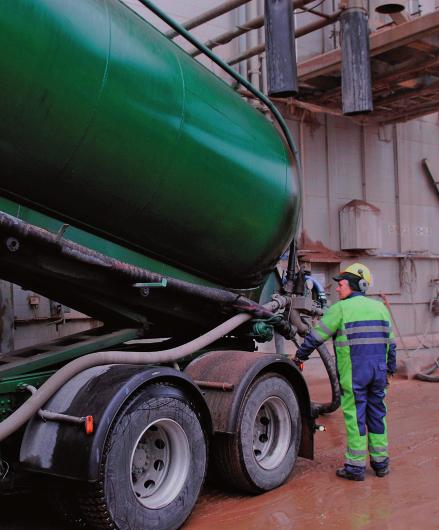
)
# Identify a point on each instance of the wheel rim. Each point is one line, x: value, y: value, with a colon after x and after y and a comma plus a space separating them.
x: 271, y: 433
x: 160, y: 463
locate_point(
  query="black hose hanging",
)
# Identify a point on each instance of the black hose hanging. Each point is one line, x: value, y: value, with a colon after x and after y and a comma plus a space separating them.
x: 328, y: 361
x: 426, y: 376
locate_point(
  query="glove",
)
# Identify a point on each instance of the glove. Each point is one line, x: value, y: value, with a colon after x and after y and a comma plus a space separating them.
x: 298, y: 362
x: 301, y: 356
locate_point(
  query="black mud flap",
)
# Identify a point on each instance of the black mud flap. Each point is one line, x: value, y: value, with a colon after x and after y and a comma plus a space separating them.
x: 64, y: 449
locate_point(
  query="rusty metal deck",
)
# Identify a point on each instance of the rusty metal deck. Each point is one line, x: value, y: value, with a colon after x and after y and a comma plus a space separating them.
x: 405, y: 73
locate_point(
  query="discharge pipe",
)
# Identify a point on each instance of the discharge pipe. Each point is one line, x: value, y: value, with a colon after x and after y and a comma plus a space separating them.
x: 320, y: 291
x: 280, y: 49
x: 356, y: 84
x: 326, y: 408
x: 24, y: 413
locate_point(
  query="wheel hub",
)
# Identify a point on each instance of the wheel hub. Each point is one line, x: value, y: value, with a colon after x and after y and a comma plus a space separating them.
x: 271, y: 433
x: 160, y: 463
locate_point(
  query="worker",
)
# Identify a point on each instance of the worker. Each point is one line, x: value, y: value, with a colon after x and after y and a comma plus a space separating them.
x: 366, y: 356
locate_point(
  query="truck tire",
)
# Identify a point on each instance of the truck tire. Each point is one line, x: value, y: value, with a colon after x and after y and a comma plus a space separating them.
x: 262, y: 452
x: 152, y: 467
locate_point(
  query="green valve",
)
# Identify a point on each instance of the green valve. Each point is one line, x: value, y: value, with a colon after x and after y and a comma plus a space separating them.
x: 262, y: 332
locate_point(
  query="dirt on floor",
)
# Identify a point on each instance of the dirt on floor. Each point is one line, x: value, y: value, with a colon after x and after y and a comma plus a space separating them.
x: 314, y: 497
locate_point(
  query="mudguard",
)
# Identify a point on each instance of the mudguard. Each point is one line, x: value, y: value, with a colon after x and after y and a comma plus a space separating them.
x: 238, y: 369
x: 64, y: 449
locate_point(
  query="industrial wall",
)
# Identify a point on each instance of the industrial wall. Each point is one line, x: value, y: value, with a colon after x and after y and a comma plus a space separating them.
x: 28, y: 318
x: 392, y: 225
x: 343, y: 162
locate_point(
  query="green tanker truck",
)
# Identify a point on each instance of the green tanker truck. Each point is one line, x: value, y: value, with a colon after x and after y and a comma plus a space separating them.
x: 140, y: 189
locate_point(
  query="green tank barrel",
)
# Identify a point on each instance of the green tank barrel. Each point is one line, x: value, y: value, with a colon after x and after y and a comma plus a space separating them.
x: 109, y: 126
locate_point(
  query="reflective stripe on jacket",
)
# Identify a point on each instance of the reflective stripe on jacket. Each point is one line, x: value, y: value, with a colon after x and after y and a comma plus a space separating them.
x: 358, y: 325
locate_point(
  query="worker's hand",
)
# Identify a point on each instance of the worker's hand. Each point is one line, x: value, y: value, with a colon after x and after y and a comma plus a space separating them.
x: 298, y: 362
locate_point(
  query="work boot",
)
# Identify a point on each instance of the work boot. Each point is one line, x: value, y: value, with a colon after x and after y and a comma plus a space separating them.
x: 382, y: 472
x: 349, y: 475
x: 381, y: 468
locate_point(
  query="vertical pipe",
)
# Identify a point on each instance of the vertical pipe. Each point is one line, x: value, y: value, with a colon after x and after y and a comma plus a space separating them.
x: 6, y: 318
x: 252, y: 41
x: 363, y: 163
x: 356, y: 85
x: 262, y: 56
x: 279, y: 344
x: 242, y: 39
x: 397, y: 188
x: 328, y: 180
x: 302, y: 173
x: 280, y: 48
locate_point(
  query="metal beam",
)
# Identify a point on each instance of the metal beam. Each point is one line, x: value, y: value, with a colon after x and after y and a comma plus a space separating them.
x: 291, y: 102
x: 380, y: 42
x: 228, y: 36
x: 396, y: 76
x: 404, y: 115
x: 209, y: 15
x: 404, y: 96
x: 299, y: 33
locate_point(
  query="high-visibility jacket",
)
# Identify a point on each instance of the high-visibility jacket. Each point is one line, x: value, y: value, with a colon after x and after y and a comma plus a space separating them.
x: 365, y: 352
x: 356, y: 324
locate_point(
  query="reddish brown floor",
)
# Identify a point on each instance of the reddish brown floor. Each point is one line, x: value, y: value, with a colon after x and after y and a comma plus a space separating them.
x: 313, y: 497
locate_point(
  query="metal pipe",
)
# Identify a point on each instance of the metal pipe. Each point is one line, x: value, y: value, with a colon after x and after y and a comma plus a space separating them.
x: 298, y: 323
x: 30, y: 407
x: 280, y: 44
x: 291, y: 268
x: 254, y: 23
x: 216, y: 385
x: 253, y: 67
x: 299, y: 33
x: 242, y: 40
x: 314, y: 12
x: 321, y: 295
x: 48, y: 415
x: 27, y: 232
x: 356, y: 84
x: 208, y: 15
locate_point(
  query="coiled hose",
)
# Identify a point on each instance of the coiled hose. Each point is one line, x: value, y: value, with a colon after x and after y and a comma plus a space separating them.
x: 328, y: 361
x: 426, y: 376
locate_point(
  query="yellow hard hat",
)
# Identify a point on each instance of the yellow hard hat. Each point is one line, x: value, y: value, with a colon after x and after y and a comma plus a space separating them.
x: 357, y: 269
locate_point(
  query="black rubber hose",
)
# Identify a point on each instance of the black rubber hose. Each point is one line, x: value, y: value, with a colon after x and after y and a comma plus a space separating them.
x: 426, y: 376
x: 328, y: 361
x: 131, y: 273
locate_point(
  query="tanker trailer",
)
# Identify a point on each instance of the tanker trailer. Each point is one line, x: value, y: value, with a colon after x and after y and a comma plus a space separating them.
x: 139, y: 188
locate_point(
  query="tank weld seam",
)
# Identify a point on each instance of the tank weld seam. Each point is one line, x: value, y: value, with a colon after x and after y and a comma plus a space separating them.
x: 94, y: 109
